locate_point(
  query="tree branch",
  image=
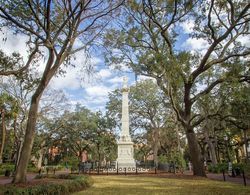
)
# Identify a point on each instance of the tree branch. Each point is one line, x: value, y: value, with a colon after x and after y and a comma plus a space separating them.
x: 19, y: 71
x: 208, y: 89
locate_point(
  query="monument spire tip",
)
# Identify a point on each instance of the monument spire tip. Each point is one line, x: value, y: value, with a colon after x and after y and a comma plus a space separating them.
x: 125, y: 82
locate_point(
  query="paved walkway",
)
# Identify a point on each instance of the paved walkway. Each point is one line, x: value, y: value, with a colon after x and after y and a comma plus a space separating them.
x: 219, y: 176
x: 238, y: 179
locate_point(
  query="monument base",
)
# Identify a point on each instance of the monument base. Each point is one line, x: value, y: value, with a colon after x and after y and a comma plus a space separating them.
x: 125, y: 155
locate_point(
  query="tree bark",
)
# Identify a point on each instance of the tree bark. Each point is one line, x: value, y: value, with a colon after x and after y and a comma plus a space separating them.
x: 155, y: 145
x: 212, y: 152
x: 20, y: 176
x: 195, y: 153
x: 245, y: 143
x: 41, y: 153
x: 3, y: 135
x: 210, y: 147
x: 20, y: 145
x: 21, y: 171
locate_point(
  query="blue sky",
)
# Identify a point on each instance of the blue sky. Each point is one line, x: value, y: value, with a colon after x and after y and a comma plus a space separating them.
x: 92, y: 92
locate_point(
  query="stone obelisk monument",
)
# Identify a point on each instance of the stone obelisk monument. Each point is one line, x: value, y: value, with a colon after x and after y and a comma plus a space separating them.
x: 125, y: 145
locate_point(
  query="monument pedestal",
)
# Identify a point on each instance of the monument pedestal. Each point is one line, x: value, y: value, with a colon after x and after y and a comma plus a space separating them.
x: 125, y: 155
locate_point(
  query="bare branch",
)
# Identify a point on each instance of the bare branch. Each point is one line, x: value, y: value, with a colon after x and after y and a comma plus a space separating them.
x: 173, y: 16
x: 220, y: 60
x: 60, y: 29
x: 177, y: 111
x: 35, y: 15
x: 100, y: 16
x: 209, y: 21
x: 48, y: 11
x: 232, y: 10
x: 199, y: 121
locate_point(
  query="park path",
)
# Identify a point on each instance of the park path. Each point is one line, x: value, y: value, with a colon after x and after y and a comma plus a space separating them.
x: 219, y: 177
x: 238, y: 179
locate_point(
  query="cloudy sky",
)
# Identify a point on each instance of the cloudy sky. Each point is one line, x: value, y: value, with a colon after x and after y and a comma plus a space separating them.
x: 92, y: 92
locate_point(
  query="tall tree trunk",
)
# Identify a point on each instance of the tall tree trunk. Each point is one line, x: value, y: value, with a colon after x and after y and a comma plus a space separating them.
x: 178, y: 140
x: 245, y: 143
x: 21, y: 171
x: 20, y: 145
x: 15, y: 152
x: 40, y: 153
x: 212, y: 152
x: 3, y: 135
x: 217, y: 150
x: 195, y: 153
x: 20, y: 176
x: 99, y: 153
x: 155, y: 145
x: 210, y: 147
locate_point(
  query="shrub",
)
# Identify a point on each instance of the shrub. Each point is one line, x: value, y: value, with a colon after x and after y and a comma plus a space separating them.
x: 239, y: 166
x: 32, y: 168
x: 72, y: 162
x: 247, y: 169
x: 162, y: 159
x: 6, y: 166
x: 72, y: 183
x: 175, y: 157
x: 224, y: 166
x: 218, y: 168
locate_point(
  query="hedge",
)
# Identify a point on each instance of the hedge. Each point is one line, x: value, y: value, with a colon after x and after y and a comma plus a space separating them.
x: 73, y: 183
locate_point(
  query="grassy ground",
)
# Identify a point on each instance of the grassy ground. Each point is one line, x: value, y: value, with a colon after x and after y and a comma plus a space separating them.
x: 123, y: 185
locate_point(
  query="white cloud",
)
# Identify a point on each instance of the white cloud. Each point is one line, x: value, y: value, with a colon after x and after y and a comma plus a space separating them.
x: 196, y: 44
x: 13, y: 43
x: 76, y: 77
x: 188, y: 26
x: 116, y: 79
x: 87, y: 89
x: 18, y: 43
x: 244, y: 40
x: 97, y: 95
x: 71, y: 79
x: 104, y: 73
x: 96, y: 91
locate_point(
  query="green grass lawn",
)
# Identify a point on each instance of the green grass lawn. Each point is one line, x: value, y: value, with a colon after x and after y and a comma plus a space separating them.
x: 122, y: 185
